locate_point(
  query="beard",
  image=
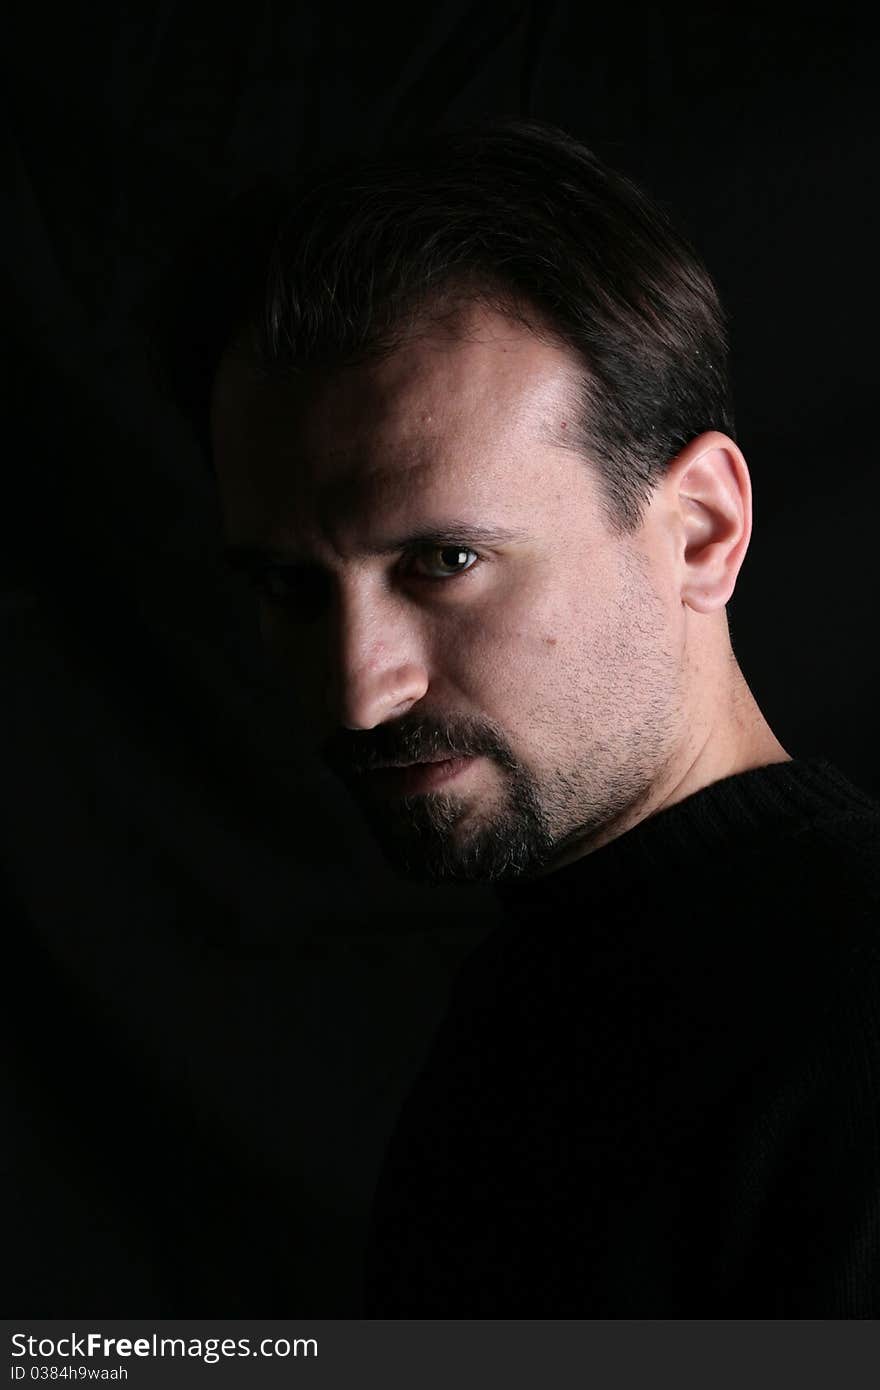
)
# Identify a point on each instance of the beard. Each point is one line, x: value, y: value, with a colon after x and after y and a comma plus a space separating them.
x: 443, y: 836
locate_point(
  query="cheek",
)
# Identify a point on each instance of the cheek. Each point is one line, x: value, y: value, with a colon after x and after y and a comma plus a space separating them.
x: 500, y: 654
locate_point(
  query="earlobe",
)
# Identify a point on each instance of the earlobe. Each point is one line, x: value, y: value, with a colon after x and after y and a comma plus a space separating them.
x: 712, y: 489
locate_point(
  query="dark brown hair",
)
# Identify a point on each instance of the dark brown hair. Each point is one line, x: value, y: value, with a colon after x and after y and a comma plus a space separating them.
x: 338, y: 267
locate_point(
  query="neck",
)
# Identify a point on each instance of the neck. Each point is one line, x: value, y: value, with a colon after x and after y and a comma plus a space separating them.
x: 735, y: 739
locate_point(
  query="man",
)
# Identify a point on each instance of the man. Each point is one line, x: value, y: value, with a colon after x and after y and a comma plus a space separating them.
x: 471, y: 423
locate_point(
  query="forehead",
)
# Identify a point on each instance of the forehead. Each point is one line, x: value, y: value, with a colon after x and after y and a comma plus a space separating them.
x: 475, y: 407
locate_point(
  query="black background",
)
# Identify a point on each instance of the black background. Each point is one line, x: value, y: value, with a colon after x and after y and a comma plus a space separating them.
x: 216, y: 992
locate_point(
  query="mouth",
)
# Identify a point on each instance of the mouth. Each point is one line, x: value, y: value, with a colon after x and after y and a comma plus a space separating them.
x: 408, y: 779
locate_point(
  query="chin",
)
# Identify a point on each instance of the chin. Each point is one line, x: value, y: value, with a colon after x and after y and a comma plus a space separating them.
x: 493, y: 854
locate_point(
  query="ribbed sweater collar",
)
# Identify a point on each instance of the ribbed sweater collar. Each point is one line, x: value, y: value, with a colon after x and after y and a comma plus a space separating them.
x: 730, y: 817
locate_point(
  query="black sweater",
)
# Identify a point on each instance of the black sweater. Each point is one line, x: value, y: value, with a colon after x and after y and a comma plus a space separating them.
x: 656, y: 1092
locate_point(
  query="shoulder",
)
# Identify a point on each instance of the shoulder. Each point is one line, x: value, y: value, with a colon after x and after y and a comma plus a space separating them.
x: 804, y: 923
x: 825, y: 877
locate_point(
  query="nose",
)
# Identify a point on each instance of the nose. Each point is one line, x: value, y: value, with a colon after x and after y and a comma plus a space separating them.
x: 377, y: 669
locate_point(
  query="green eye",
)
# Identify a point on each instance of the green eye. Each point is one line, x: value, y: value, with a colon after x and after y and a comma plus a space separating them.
x: 445, y: 561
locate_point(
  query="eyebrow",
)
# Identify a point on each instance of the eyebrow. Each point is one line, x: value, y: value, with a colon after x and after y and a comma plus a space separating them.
x: 249, y: 557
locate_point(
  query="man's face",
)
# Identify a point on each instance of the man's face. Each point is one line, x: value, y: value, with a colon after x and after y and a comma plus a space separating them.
x: 448, y: 589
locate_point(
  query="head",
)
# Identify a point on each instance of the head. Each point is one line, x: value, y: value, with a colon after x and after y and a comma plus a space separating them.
x: 471, y: 425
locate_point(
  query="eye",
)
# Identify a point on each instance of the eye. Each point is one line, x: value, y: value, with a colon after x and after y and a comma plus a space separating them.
x: 444, y: 561
x: 300, y: 590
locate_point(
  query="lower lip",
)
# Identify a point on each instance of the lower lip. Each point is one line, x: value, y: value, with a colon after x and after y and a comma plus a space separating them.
x: 419, y: 777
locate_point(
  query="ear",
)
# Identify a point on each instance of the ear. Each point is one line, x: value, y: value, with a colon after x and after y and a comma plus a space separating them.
x: 708, y: 499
